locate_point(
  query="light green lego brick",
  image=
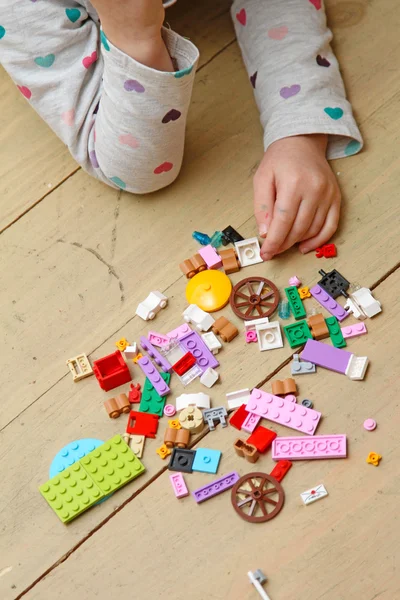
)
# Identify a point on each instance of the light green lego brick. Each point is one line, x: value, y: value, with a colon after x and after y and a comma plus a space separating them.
x: 151, y: 401
x: 112, y: 465
x: 71, y: 492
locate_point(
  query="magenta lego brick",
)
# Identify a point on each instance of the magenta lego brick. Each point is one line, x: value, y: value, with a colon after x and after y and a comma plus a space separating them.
x: 251, y: 422
x: 216, y: 487
x: 284, y: 412
x: 153, y: 375
x: 324, y: 355
x: 193, y: 343
x: 329, y: 303
x: 308, y: 448
x: 160, y: 360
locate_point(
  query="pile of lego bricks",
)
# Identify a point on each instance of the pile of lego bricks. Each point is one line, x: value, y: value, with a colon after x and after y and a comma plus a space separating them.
x: 85, y: 473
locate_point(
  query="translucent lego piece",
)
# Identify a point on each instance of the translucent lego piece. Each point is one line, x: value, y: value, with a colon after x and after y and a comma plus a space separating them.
x: 202, y: 238
x: 284, y: 309
x: 216, y: 239
x: 190, y: 375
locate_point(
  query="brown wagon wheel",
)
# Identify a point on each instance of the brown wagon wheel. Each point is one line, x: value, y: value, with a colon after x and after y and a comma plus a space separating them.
x: 254, y: 494
x: 253, y: 298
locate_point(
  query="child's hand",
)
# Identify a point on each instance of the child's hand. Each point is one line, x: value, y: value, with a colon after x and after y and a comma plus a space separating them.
x: 134, y: 26
x: 296, y: 195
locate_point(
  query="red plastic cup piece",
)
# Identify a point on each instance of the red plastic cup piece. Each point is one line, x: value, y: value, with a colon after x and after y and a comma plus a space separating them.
x: 280, y: 469
x: 369, y: 424
x: 169, y: 410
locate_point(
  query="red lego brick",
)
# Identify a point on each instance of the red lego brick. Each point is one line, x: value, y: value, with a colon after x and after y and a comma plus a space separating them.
x: 184, y: 364
x: 327, y: 250
x: 262, y: 438
x: 280, y: 469
x: 111, y: 371
x: 239, y: 417
x: 135, y: 393
x: 142, y: 424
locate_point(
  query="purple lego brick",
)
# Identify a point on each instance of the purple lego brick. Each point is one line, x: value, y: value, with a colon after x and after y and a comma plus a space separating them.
x: 329, y: 303
x: 251, y: 422
x: 216, y: 487
x: 160, y: 360
x: 153, y: 375
x: 326, y: 356
x: 193, y: 343
x: 284, y: 412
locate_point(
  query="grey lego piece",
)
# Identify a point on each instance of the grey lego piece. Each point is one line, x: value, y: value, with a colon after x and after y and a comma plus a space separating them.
x: 301, y: 367
x: 259, y: 575
x: 307, y: 403
x: 218, y: 414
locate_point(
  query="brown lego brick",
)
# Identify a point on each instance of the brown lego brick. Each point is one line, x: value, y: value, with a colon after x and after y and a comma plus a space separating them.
x: 169, y: 437
x: 193, y: 265
x: 230, y: 263
x: 118, y: 405
x: 182, y: 438
x: 225, y: 329
x: 248, y: 451
x: 318, y: 327
x: 284, y: 387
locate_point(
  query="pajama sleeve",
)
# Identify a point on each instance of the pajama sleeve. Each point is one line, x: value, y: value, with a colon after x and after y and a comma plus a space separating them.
x: 294, y: 73
x: 123, y: 122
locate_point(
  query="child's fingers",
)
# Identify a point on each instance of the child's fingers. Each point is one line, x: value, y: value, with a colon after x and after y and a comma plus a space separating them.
x: 285, y: 212
x: 317, y: 224
x: 264, y: 199
x: 328, y: 229
x: 302, y: 223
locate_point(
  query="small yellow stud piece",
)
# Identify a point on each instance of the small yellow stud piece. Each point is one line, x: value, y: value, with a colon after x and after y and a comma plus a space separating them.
x: 373, y: 459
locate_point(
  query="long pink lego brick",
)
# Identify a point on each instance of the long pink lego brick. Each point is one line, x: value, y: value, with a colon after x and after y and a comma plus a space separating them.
x: 179, y: 332
x: 354, y: 330
x: 329, y: 303
x: 179, y: 485
x: 251, y: 422
x: 326, y: 356
x: 284, y: 412
x: 307, y: 448
x: 158, y: 358
x: 153, y: 375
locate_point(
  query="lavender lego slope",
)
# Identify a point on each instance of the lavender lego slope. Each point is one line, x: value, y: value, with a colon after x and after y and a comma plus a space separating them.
x: 326, y: 356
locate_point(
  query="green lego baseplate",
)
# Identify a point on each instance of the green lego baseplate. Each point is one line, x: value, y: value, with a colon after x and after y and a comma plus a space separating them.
x: 151, y: 401
x: 99, y: 473
x: 335, y: 332
x: 295, y: 302
x: 297, y: 333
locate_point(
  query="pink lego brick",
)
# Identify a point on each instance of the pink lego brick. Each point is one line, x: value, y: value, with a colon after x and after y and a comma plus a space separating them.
x: 329, y: 303
x: 216, y: 487
x: 210, y: 257
x: 326, y: 356
x: 179, y: 485
x: 193, y: 343
x: 284, y: 412
x: 251, y: 422
x: 307, y: 448
x: 354, y: 330
x: 159, y: 359
x: 179, y: 332
x: 153, y: 375
x: 157, y: 339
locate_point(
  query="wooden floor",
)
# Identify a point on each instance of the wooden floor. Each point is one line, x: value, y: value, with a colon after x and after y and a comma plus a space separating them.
x: 77, y: 257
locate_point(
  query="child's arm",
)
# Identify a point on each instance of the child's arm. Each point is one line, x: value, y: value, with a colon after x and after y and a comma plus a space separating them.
x: 123, y: 120
x: 305, y: 115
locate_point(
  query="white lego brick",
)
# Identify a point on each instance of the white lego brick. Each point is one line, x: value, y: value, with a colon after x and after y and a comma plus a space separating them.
x: 198, y: 317
x: 356, y: 367
x: 252, y: 325
x: 236, y: 399
x: 248, y: 252
x: 314, y: 494
x: 154, y: 302
x: 200, y: 400
x: 190, y: 375
x: 269, y: 336
x: 367, y: 302
x: 209, y: 377
x: 212, y: 342
x: 131, y: 351
x: 354, y: 309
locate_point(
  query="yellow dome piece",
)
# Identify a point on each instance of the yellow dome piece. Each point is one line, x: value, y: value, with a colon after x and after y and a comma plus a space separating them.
x: 210, y: 290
